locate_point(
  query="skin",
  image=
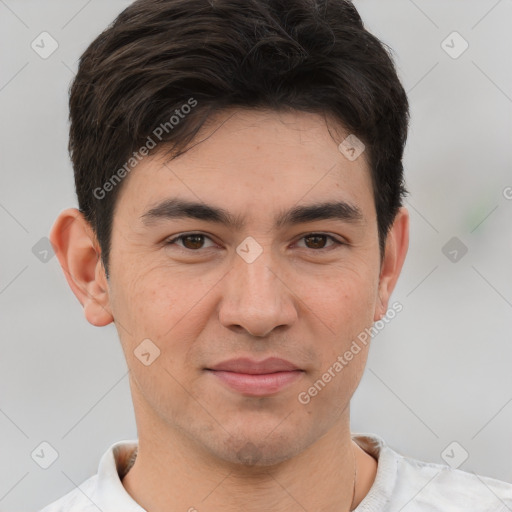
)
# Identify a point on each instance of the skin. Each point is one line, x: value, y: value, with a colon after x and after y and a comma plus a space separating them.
x: 202, y: 444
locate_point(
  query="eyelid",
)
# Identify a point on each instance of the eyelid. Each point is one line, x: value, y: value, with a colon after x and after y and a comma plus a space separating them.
x: 172, y: 240
x: 336, y: 242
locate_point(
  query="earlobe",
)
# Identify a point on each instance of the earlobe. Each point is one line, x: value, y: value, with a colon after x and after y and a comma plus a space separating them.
x: 78, y: 253
x: 397, y: 243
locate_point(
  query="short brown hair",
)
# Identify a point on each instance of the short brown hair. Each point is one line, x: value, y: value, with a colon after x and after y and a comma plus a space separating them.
x: 308, y: 55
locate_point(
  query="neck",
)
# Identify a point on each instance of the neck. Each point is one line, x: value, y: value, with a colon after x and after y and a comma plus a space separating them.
x: 173, y: 474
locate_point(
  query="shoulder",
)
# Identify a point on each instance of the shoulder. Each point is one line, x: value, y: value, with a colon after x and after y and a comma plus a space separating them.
x: 79, y: 499
x: 103, y: 491
x: 441, y: 487
x: 411, y: 485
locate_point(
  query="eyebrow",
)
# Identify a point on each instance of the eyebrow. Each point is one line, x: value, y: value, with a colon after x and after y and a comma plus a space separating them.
x: 174, y: 208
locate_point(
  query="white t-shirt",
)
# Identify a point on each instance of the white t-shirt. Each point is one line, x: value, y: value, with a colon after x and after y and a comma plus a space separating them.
x: 401, y: 484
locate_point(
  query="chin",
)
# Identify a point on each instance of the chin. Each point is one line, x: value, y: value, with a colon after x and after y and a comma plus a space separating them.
x: 259, y: 450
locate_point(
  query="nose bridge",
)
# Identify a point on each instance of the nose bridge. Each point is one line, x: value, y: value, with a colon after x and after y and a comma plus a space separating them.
x: 255, y: 298
x: 255, y: 282
x: 259, y: 281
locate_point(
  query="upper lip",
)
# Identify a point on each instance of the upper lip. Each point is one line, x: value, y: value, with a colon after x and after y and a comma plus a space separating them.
x: 250, y: 366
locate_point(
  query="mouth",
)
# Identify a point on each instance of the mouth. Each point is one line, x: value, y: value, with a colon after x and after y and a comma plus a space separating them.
x: 253, y: 378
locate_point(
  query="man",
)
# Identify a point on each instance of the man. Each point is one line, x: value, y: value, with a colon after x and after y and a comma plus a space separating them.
x: 238, y: 166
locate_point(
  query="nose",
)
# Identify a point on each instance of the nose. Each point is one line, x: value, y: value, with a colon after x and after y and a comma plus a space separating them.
x: 257, y: 297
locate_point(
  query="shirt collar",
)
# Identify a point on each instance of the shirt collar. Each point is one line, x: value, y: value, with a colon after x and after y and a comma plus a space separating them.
x: 111, y: 492
x: 112, y: 496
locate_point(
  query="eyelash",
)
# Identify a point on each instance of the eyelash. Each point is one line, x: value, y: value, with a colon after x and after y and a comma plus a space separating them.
x: 172, y: 241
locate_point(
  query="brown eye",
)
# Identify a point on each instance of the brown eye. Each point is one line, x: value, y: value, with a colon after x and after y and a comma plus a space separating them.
x: 315, y: 241
x: 191, y: 241
x: 318, y: 241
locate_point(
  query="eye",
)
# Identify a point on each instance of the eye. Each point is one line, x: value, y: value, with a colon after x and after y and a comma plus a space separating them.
x: 196, y: 241
x: 191, y: 241
x: 317, y: 241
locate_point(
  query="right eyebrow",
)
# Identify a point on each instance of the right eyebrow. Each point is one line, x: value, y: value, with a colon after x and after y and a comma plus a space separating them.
x: 174, y: 208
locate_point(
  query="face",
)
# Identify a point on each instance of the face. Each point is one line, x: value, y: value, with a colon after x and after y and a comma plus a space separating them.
x: 286, y: 277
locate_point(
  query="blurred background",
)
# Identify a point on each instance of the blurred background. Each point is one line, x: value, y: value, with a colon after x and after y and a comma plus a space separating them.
x: 438, y: 384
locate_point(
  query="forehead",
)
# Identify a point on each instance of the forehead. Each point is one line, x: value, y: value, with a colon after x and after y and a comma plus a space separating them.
x: 255, y: 162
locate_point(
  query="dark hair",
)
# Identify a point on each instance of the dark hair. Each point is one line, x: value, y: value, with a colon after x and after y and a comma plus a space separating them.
x: 160, y: 55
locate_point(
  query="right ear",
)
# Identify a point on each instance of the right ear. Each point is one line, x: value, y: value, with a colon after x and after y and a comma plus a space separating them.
x: 79, y: 255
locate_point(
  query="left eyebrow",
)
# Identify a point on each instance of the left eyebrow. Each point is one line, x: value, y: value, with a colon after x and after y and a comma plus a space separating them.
x: 174, y: 208
x: 335, y: 210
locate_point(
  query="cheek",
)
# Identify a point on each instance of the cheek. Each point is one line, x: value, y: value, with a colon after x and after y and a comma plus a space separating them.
x: 347, y: 293
x: 347, y: 308
x: 153, y: 300
x: 162, y: 305
x: 167, y: 311
x: 344, y: 306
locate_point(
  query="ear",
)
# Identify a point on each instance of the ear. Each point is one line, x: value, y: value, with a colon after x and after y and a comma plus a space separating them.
x: 397, y: 243
x: 78, y: 252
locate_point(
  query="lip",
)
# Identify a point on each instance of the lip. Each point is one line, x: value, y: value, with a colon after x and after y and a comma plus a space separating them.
x: 256, y: 378
x: 252, y: 367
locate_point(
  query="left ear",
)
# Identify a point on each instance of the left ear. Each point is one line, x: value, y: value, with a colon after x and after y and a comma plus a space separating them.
x: 79, y: 254
x: 397, y: 243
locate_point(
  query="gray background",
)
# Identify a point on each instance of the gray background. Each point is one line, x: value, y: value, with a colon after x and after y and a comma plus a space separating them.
x: 438, y: 373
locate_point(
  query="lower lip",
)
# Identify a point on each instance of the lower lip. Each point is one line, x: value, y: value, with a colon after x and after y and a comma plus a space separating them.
x: 257, y: 385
